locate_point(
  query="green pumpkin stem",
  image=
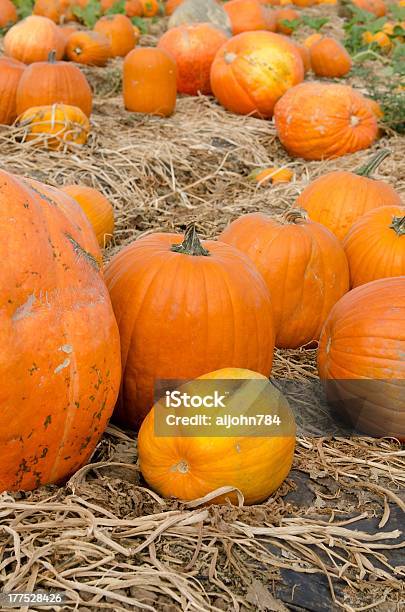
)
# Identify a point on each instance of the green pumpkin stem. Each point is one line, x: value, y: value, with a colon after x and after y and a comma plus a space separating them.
x: 191, y: 244
x: 398, y: 224
x: 52, y: 56
x: 369, y: 167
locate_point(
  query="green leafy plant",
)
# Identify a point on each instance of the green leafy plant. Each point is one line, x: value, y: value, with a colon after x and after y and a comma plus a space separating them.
x: 88, y: 14
x: 24, y: 7
x: 117, y: 9
x: 315, y: 23
x: 141, y: 24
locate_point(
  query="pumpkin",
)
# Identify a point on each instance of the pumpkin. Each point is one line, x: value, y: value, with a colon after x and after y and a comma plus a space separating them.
x: 283, y: 15
x: 189, y: 468
x: 249, y: 15
x: 67, y: 30
x: 171, y: 6
x: 329, y: 58
x: 59, y: 338
x: 376, y: 7
x: 304, y: 53
x: 11, y: 71
x: 150, y: 8
x: 381, y: 39
x: 337, y: 199
x: 303, y: 265
x: 8, y: 13
x: 32, y: 39
x: 273, y: 175
x: 375, y: 245
x: 52, y: 9
x: 185, y: 308
x: 89, y: 48
x: 193, y: 47
x: 361, y: 357
x: 149, y: 82
x: 322, y: 120
x: 54, y: 126
x: 252, y: 70
x: 120, y: 32
x: 134, y: 8
x: 304, y: 3
x: 375, y: 108
x: 97, y: 209
x: 50, y: 82
x: 313, y: 38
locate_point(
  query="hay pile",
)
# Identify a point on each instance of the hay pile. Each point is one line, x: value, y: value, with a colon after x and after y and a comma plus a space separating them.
x: 108, y: 541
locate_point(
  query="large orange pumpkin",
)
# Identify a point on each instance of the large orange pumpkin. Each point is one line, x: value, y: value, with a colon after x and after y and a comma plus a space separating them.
x: 251, y: 72
x: 194, y: 47
x: 51, y: 82
x: 149, y: 82
x: 97, y: 208
x: 11, y: 71
x: 361, y: 357
x: 323, y: 120
x: 329, y: 58
x: 337, y: 199
x: 120, y: 32
x: 375, y: 245
x: 185, y: 308
x: 90, y: 48
x: 33, y: 38
x: 249, y: 15
x: 191, y: 467
x: 8, y: 13
x: 59, y: 339
x: 304, y: 267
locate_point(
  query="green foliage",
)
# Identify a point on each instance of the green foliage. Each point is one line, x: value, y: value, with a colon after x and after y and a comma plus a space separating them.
x: 141, y: 24
x: 117, y: 9
x: 315, y: 23
x: 24, y: 7
x: 89, y: 14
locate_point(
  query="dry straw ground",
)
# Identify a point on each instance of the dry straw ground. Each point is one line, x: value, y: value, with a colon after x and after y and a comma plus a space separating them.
x: 104, y: 538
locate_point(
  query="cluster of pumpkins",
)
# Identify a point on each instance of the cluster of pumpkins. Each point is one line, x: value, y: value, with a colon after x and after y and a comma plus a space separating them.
x: 313, y: 119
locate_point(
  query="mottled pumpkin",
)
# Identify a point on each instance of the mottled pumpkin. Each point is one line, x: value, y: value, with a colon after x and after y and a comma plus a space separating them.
x: 185, y: 308
x: 54, y: 126
x: 32, y: 39
x: 11, y: 71
x: 97, y: 209
x: 249, y: 15
x: 59, y: 339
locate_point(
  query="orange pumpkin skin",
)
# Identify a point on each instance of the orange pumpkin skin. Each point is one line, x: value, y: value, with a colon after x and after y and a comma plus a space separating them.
x: 240, y: 77
x: 120, y: 32
x: 11, y: 71
x: 53, y: 9
x: 282, y: 15
x: 375, y: 245
x: 133, y: 8
x: 97, y: 209
x: 377, y: 7
x: 338, y: 199
x: 150, y: 82
x: 361, y: 357
x: 194, y: 48
x: 189, y: 468
x: 313, y: 38
x: 150, y: 8
x: 324, y: 120
x: 249, y: 15
x: 171, y: 6
x: 207, y: 311
x: 55, y: 306
x: 54, y: 126
x: 329, y: 58
x: 45, y: 83
x: 8, y: 13
x: 32, y: 39
x: 303, y: 265
x: 67, y: 31
x: 89, y: 48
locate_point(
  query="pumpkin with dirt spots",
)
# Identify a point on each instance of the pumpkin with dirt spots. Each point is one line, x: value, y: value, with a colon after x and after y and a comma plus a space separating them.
x: 60, y: 354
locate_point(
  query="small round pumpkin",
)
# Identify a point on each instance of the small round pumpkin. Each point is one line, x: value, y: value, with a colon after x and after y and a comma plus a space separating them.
x: 67, y: 31
x: 376, y: 7
x: 361, y: 357
x: 283, y: 15
x: 51, y: 82
x: 303, y: 265
x: 134, y: 8
x: 323, y: 120
x: 11, y: 71
x: 97, y: 209
x: 188, y: 468
x: 251, y: 71
x: 120, y: 32
x: 329, y: 58
x: 32, y: 39
x: 271, y: 175
x: 8, y: 13
x: 375, y: 245
x: 54, y: 126
x: 60, y: 346
x: 90, y: 48
x: 149, y: 82
x: 313, y: 38
x: 185, y: 308
x: 52, y: 9
x: 249, y: 15
x: 194, y: 47
x: 150, y: 8
x: 337, y: 199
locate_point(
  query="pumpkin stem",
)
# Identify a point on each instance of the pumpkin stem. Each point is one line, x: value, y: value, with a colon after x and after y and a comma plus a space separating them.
x: 52, y: 56
x: 296, y: 215
x: 191, y: 244
x: 369, y: 167
x: 398, y: 224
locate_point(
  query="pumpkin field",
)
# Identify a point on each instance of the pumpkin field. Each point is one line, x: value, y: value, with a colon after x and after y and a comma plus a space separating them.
x: 205, y: 198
